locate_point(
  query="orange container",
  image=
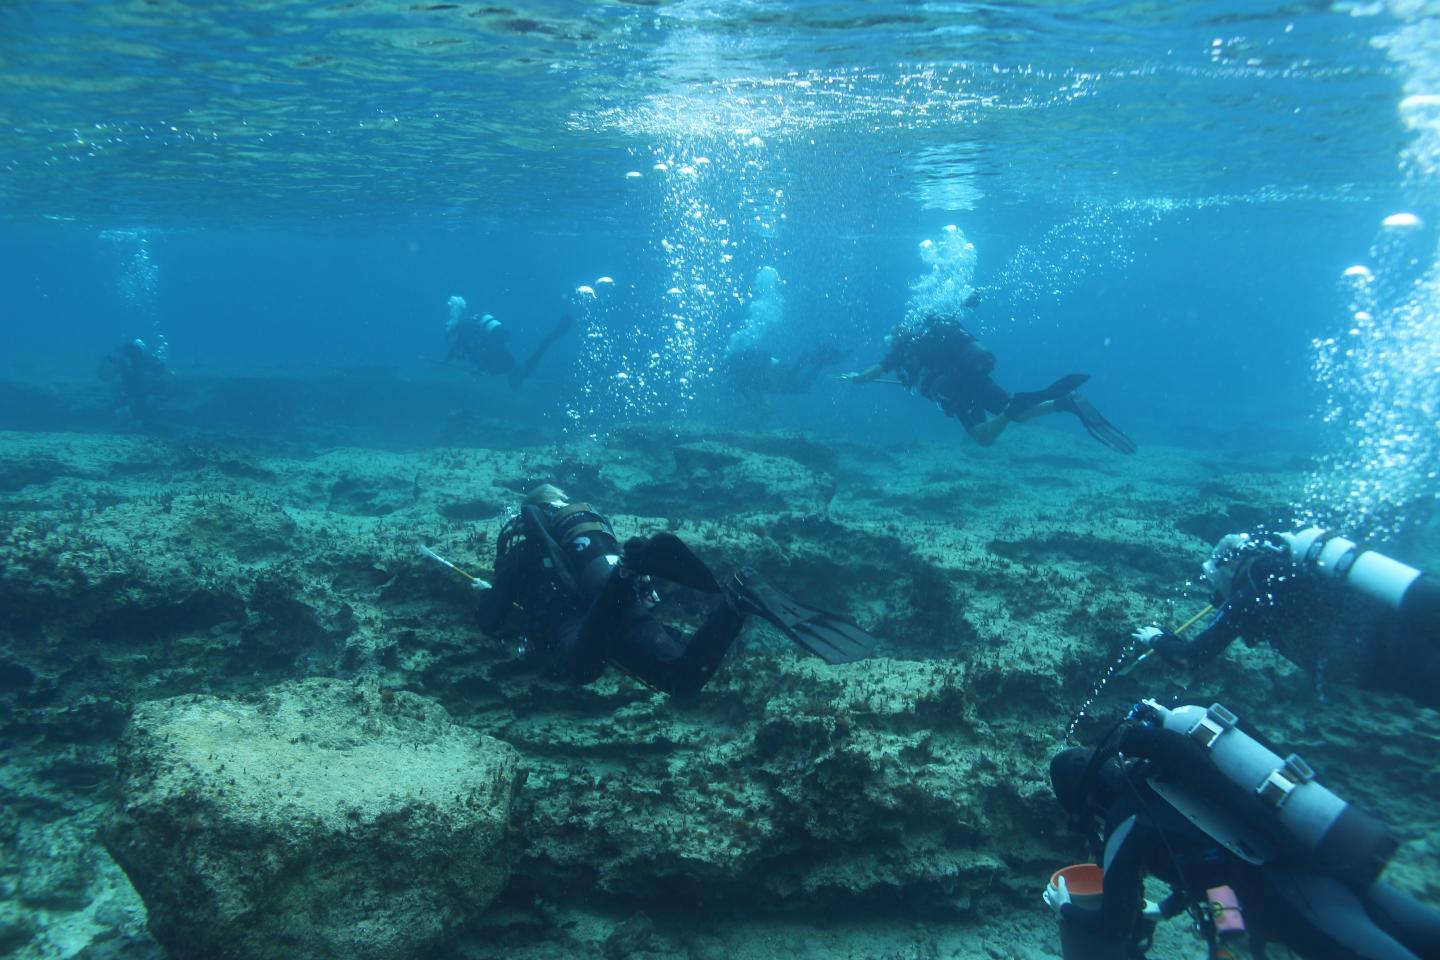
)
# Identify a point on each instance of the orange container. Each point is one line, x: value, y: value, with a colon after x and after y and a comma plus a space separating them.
x: 1084, y: 881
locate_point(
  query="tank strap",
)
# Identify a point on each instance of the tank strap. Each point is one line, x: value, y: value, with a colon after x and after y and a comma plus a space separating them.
x: 580, y: 529
x: 571, y: 509
x: 559, y: 562
x: 578, y: 519
x: 1211, y: 726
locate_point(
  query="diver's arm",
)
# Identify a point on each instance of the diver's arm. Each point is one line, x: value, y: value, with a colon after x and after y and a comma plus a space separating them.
x: 496, y: 602
x: 1209, y: 644
x: 865, y: 376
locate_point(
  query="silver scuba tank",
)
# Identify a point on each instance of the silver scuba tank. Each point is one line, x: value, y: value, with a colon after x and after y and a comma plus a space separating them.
x: 1397, y: 585
x: 1278, y: 795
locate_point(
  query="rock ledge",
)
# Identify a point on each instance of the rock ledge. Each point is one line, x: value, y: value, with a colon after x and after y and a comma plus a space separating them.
x: 322, y: 819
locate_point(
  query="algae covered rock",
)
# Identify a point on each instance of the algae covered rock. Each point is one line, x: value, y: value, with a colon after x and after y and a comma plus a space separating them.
x: 322, y: 819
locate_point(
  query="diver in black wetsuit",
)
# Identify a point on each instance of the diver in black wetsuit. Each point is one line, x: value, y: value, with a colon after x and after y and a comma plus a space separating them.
x: 484, y: 343
x: 1302, y: 872
x: 944, y: 362
x: 141, y: 374
x: 588, y: 600
x: 758, y: 375
x: 1327, y: 605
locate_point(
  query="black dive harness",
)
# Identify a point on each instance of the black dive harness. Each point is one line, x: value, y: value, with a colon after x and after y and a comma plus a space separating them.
x: 573, y: 537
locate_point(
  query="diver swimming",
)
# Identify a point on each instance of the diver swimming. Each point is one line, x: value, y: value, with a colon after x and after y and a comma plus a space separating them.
x: 944, y: 362
x: 484, y: 343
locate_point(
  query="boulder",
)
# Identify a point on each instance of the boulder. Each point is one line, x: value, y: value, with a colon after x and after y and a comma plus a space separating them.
x: 322, y: 819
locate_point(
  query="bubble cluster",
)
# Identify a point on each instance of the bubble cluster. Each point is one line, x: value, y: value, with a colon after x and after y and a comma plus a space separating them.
x: 615, y: 368
x: 764, y: 317
x: 1379, y: 372
x: 138, y: 276
x: 1380, y: 381
x: 717, y: 212
x: 945, y: 289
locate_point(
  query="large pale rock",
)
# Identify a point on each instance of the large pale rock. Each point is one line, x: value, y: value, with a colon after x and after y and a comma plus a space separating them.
x: 323, y: 819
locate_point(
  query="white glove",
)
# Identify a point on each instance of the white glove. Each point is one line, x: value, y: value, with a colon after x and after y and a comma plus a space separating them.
x: 1152, y: 911
x: 478, y: 584
x: 1057, y: 896
x: 1147, y: 635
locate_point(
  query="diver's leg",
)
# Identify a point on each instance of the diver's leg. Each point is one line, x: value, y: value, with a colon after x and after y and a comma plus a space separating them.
x: 972, y: 402
x: 646, y: 649
x: 658, y: 657
x: 606, y: 621
x: 988, y: 431
x: 1319, y: 916
x: 569, y: 658
x: 1039, y: 410
x: 707, y: 648
x: 1406, y: 919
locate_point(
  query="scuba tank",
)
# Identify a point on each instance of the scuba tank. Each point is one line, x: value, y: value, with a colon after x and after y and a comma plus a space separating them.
x: 575, y: 544
x: 1400, y: 587
x: 1274, y: 800
x: 579, y: 545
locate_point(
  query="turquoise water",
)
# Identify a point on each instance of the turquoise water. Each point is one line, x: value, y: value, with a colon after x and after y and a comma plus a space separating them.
x: 1164, y: 197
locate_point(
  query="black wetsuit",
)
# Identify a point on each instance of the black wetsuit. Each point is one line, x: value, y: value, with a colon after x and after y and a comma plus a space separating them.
x: 757, y: 374
x: 484, y: 343
x: 1319, y: 626
x: 944, y: 362
x: 1283, y: 902
x: 142, y: 376
x: 561, y: 566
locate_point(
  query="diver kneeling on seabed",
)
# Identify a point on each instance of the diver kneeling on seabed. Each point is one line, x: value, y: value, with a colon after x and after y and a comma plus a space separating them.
x: 1252, y: 846
x: 588, y: 600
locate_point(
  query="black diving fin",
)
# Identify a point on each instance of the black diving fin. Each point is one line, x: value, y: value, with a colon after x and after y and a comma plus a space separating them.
x: 522, y: 372
x: 1096, y: 425
x: 1020, y: 402
x: 666, y: 556
x: 830, y: 636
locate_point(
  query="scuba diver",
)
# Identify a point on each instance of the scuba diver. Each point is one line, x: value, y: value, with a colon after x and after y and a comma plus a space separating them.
x: 1174, y: 794
x: 141, y: 373
x: 758, y: 375
x: 1337, y: 609
x: 946, y: 363
x: 588, y: 600
x: 484, y: 343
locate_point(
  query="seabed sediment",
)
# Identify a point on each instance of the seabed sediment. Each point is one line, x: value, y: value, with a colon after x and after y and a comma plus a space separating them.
x: 897, y: 807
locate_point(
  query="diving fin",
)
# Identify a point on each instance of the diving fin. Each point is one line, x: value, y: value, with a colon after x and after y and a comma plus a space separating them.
x: 666, y: 556
x: 1096, y: 425
x: 522, y: 372
x: 830, y: 636
x: 1020, y: 402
